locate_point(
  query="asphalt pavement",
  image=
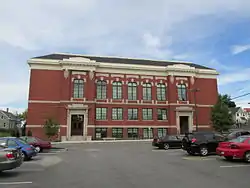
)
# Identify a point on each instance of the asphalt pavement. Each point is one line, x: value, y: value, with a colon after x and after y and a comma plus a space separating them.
x: 124, y: 165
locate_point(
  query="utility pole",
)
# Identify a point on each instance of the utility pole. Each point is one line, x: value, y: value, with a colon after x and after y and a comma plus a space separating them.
x: 195, y: 90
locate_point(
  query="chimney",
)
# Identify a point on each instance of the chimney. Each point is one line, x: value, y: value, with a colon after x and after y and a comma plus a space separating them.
x: 7, y: 109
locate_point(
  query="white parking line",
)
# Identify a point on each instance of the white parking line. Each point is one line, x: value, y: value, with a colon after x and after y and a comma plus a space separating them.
x: 234, y: 166
x: 15, y: 183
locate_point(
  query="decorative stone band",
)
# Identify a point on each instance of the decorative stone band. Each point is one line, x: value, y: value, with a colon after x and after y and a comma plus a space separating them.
x: 123, y: 126
x: 124, y: 102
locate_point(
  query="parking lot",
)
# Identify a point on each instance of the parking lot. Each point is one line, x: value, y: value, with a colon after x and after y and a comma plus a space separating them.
x: 123, y: 165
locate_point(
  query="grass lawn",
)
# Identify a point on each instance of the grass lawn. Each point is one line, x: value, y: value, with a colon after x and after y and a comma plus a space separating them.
x: 3, y: 134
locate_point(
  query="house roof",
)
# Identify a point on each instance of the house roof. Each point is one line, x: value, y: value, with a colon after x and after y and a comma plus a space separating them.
x: 120, y: 60
x: 234, y: 110
x: 247, y: 109
x: 9, y: 115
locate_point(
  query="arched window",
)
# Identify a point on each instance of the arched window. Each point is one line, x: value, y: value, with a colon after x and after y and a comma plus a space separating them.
x: 161, y: 92
x: 182, y: 92
x: 132, y: 91
x: 147, y: 94
x: 117, y: 90
x: 101, y: 89
x: 78, y: 88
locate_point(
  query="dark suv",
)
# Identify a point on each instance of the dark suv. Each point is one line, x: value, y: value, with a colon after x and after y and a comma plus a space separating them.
x: 202, y: 143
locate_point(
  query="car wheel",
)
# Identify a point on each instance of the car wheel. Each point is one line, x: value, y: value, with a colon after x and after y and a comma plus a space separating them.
x: 166, y: 146
x: 228, y: 158
x: 247, y: 156
x: 203, y: 151
x: 24, y: 156
x: 190, y: 152
x: 38, y: 149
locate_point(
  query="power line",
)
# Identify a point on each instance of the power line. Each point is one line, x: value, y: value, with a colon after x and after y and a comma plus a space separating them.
x: 240, y: 96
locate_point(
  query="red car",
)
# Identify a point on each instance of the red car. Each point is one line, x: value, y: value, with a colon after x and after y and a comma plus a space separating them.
x: 38, y: 143
x: 238, y: 148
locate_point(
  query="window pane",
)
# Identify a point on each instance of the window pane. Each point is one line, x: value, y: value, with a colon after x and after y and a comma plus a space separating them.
x: 117, y: 113
x: 147, y: 91
x: 101, y: 89
x: 101, y: 113
x: 117, y: 90
x: 132, y: 91
x: 147, y: 114
x: 132, y: 114
x: 182, y: 93
x: 78, y: 88
x: 161, y: 92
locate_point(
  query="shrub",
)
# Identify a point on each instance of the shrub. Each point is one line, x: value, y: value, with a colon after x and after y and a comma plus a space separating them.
x: 51, y: 127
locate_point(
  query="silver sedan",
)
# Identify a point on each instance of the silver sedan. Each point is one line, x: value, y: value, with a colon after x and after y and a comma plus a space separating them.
x: 9, y: 158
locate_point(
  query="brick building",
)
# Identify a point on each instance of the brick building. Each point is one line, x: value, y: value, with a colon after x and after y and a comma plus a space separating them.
x: 118, y: 97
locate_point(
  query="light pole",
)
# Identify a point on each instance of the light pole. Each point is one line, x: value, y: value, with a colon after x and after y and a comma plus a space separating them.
x: 195, y: 90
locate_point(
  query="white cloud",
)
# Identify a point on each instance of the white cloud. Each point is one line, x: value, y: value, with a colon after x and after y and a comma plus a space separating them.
x: 236, y: 49
x: 233, y: 77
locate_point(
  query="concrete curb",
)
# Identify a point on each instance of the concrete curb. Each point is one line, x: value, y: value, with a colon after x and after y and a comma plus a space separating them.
x: 100, y: 141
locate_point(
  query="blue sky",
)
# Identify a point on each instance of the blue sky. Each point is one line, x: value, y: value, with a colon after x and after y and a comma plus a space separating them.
x: 212, y: 33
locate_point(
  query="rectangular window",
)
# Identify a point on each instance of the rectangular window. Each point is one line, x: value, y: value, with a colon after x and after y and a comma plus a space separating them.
x: 117, y: 114
x: 133, y: 133
x: 101, y: 89
x: 117, y: 132
x: 162, y: 132
x: 182, y: 92
x: 117, y: 90
x: 162, y: 114
x: 161, y: 92
x: 78, y: 88
x: 132, y: 91
x: 147, y: 114
x: 100, y: 133
x: 147, y: 133
x: 101, y: 113
x: 147, y: 95
x: 132, y: 114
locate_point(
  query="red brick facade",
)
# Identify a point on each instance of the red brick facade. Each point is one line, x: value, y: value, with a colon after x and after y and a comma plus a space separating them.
x: 51, y: 92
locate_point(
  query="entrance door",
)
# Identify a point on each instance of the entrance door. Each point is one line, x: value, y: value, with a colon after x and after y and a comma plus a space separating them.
x: 184, y: 126
x: 77, y: 122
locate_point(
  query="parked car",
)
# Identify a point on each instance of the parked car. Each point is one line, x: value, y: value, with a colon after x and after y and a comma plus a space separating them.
x: 237, y: 133
x: 38, y: 143
x: 10, y: 158
x: 168, y: 141
x: 27, y: 150
x: 202, y: 143
x: 238, y: 148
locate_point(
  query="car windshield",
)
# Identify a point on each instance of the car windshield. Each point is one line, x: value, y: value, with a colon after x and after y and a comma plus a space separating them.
x: 22, y: 141
x: 239, y: 139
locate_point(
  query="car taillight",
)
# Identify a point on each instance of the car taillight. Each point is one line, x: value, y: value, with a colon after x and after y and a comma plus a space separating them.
x: 193, y: 140
x: 10, y: 156
x: 234, y: 146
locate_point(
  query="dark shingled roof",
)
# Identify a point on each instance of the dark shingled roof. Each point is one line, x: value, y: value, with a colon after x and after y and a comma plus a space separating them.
x: 119, y: 60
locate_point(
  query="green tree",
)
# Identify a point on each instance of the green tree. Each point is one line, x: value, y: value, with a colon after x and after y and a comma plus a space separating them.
x: 221, y: 117
x: 51, y: 127
x: 226, y: 99
x: 23, y: 115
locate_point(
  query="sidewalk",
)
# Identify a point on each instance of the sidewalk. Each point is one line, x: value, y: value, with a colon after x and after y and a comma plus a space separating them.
x: 100, y: 141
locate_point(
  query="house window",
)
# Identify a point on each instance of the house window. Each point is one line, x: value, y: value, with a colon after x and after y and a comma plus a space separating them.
x: 132, y: 91
x: 147, y: 133
x: 78, y: 88
x: 161, y: 114
x: 117, y: 90
x: 162, y: 132
x: 182, y: 92
x: 101, y: 89
x: 100, y: 133
x: 117, y: 132
x: 132, y: 132
x: 132, y: 114
x: 101, y: 113
x: 161, y: 92
x: 4, y: 124
x: 117, y: 114
x: 147, y: 91
x: 147, y: 114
